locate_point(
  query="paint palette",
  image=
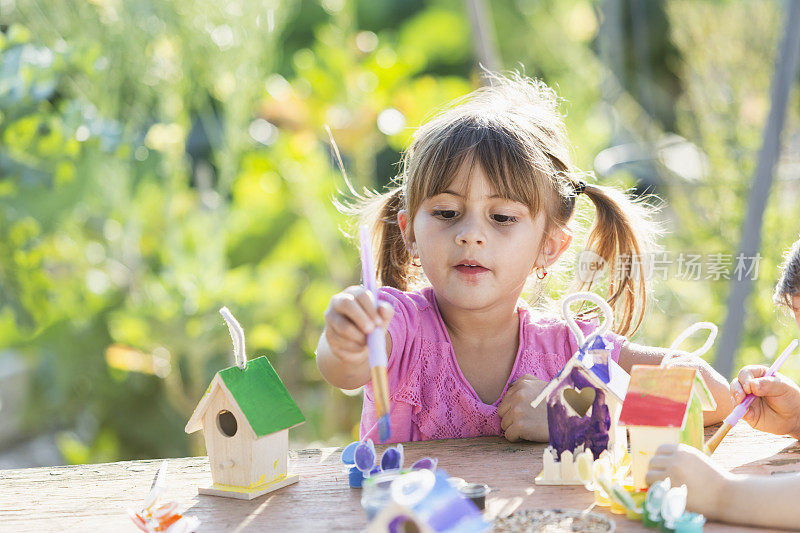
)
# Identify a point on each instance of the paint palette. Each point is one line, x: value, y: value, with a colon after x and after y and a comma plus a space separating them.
x: 360, y: 459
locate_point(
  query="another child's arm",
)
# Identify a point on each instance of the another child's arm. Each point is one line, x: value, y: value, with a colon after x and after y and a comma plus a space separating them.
x: 764, y: 501
x: 342, y: 354
x: 776, y: 408
x: 517, y: 418
x: 634, y: 354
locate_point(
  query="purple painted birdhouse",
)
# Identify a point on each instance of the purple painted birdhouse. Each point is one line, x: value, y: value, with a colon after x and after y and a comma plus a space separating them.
x: 583, y: 408
x: 584, y: 402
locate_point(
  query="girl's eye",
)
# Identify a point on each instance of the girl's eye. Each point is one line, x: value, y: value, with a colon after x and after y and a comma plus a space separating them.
x: 504, y: 219
x: 446, y: 214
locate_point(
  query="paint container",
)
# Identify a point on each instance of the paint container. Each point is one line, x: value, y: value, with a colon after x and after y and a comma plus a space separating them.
x: 690, y: 523
x: 601, y: 499
x: 617, y: 507
x: 355, y: 477
x: 638, y: 498
x: 663, y: 528
x: 650, y: 520
x: 476, y: 493
x: 377, y: 492
x: 456, y: 482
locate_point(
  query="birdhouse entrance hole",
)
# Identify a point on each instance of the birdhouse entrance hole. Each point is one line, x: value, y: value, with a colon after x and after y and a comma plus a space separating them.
x: 580, y: 402
x: 227, y: 423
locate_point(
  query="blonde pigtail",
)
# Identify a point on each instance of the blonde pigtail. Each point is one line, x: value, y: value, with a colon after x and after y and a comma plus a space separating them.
x: 622, y: 235
x: 393, y: 260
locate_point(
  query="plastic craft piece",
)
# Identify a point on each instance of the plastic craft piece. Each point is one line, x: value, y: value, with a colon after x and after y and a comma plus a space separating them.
x: 425, y: 501
x: 245, y: 415
x: 154, y: 518
x: 583, y: 403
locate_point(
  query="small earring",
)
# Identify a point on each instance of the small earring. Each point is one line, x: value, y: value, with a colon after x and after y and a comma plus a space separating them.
x: 541, y: 272
x: 418, y: 263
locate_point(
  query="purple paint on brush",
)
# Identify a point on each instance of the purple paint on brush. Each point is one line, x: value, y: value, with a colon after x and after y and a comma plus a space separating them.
x: 567, y: 432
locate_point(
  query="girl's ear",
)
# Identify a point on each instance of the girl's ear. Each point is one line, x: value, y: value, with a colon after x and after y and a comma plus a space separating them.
x: 402, y: 221
x: 555, y: 244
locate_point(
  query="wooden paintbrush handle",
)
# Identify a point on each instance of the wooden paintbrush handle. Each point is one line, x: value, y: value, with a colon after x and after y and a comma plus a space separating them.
x: 717, y: 437
x: 380, y: 388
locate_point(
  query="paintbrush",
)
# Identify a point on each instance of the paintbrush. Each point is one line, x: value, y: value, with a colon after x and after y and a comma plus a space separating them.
x: 376, y: 342
x: 739, y: 411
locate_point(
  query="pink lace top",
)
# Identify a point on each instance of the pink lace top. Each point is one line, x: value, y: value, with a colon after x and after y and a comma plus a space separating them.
x: 430, y: 397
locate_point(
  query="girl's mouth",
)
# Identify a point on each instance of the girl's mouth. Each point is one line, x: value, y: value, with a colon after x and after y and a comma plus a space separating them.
x: 471, y: 269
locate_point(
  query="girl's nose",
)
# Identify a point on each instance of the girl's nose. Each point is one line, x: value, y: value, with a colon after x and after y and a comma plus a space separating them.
x: 470, y: 233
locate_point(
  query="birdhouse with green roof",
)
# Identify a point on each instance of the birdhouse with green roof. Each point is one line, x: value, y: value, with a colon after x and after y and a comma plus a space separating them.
x: 245, y: 415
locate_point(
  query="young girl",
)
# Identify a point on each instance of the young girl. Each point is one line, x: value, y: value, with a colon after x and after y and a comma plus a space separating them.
x: 765, y: 501
x: 484, y: 200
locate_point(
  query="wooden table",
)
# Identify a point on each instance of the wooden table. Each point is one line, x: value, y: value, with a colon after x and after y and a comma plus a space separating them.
x: 94, y: 497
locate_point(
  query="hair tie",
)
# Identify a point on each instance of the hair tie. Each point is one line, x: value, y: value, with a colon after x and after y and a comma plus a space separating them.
x: 580, y: 187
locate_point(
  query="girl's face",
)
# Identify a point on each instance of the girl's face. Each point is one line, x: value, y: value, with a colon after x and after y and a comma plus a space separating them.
x: 478, y: 249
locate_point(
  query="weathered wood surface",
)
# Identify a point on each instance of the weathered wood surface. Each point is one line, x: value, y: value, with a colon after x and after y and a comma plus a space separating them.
x: 94, y: 497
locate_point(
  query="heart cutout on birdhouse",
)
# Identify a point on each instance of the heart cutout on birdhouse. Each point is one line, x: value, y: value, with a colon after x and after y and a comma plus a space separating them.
x: 580, y: 402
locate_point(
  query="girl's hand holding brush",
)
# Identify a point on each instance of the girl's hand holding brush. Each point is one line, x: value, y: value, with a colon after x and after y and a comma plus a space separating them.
x: 776, y: 408
x: 350, y: 317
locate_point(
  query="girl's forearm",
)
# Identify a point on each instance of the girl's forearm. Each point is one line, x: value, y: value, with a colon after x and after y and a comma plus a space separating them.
x: 762, y: 501
x: 720, y: 390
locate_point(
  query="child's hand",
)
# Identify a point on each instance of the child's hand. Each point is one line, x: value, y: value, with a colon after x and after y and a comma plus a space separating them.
x: 518, y: 419
x: 350, y: 316
x: 776, y: 408
x: 685, y: 465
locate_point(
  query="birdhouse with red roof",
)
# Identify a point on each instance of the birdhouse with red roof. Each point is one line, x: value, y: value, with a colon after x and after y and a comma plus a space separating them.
x: 663, y: 406
x: 245, y: 415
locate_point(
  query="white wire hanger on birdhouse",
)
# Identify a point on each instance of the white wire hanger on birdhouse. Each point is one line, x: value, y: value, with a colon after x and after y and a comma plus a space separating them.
x: 688, y: 332
x: 237, y: 336
x: 607, y: 317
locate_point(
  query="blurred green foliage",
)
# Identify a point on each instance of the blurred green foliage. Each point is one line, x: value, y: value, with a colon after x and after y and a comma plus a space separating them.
x: 161, y: 158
